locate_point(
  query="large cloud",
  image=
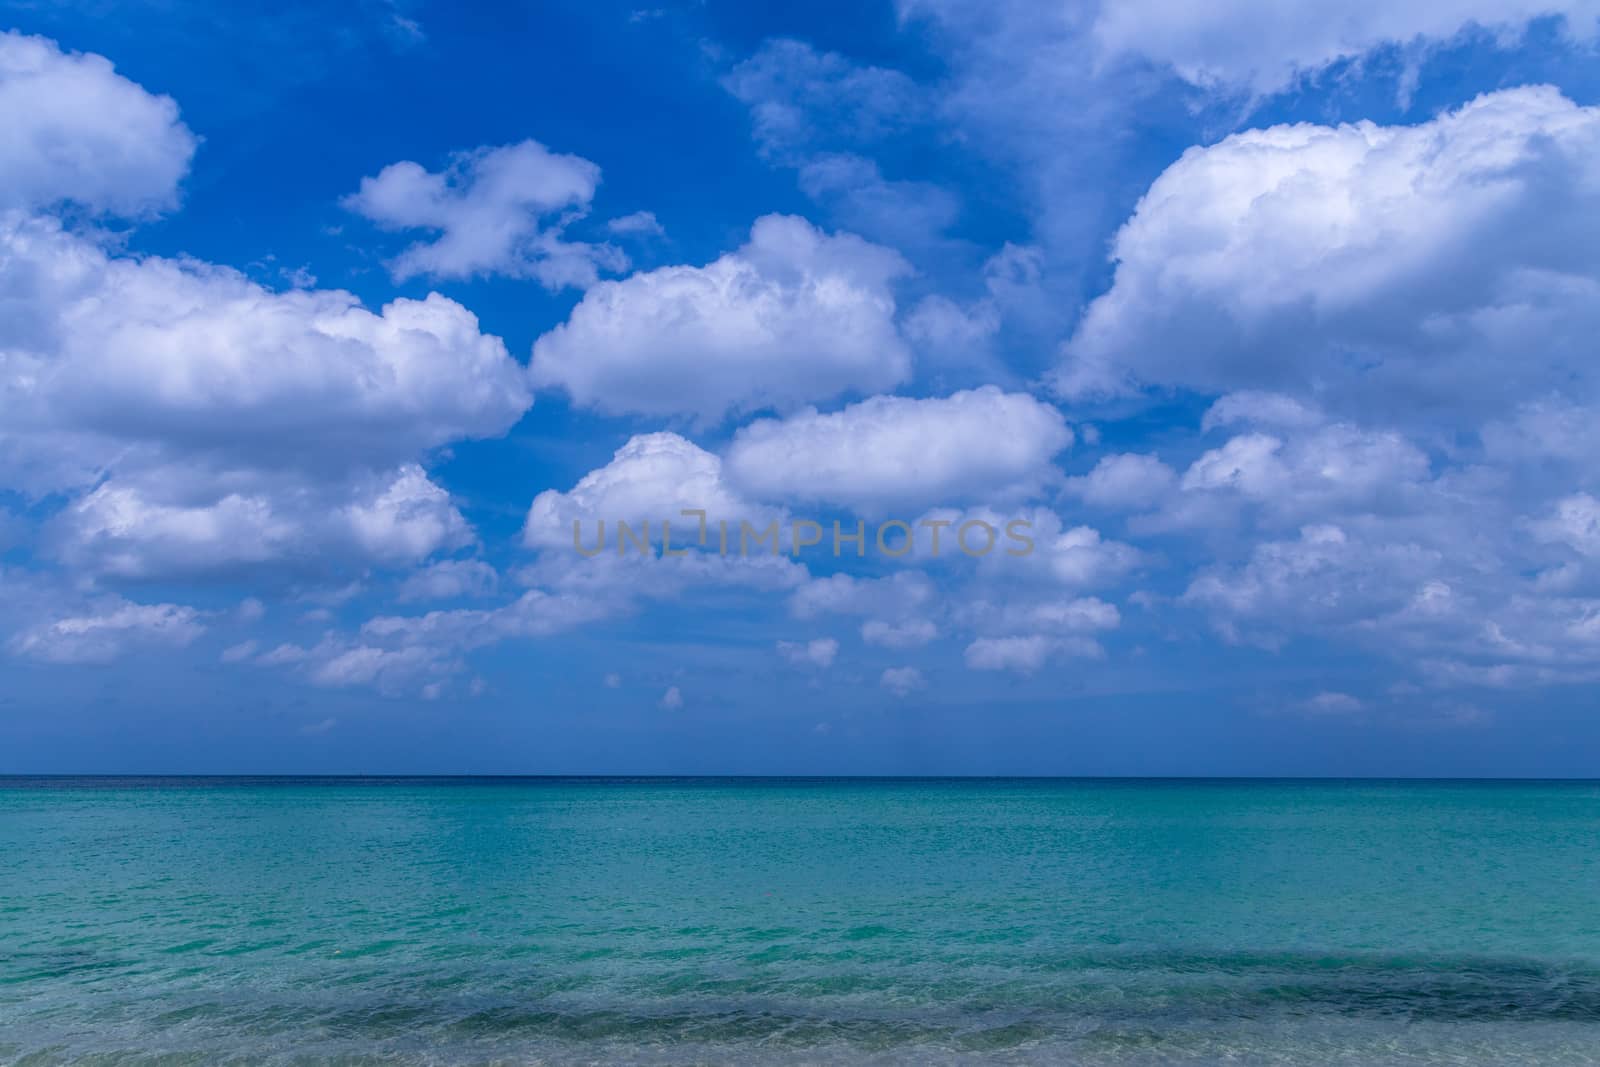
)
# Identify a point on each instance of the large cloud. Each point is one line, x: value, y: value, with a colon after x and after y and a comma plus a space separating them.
x: 795, y: 315
x: 72, y: 129
x: 192, y: 418
x: 889, y: 451
x: 1422, y: 271
x: 107, y: 630
x: 101, y: 352
x: 488, y: 208
x: 651, y: 479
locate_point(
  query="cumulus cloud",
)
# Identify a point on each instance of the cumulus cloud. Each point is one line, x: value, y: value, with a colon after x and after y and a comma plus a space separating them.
x: 845, y: 594
x: 795, y: 315
x: 1326, y: 580
x: 1330, y: 702
x: 889, y: 451
x: 1026, y: 654
x: 1031, y: 542
x: 489, y: 209
x: 450, y: 579
x: 73, y: 130
x: 111, y: 628
x: 110, y: 354
x: 1443, y: 269
x: 1574, y: 523
x: 417, y: 654
x: 1021, y: 654
x: 819, y: 652
x: 191, y: 418
x: 167, y: 522
x: 902, y: 681
x: 1125, y: 481
x: 1052, y: 615
x: 638, y: 224
x: 903, y: 633
x: 652, y: 478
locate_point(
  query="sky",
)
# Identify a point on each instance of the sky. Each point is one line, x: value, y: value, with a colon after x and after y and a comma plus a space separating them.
x: 1257, y: 335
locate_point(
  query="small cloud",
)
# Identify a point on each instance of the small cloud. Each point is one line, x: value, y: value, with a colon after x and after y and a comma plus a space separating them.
x: 1452, y: 716
x: 298, y: 278
x: 1331, y: 703
x: 902, y: 680
x: 818, y: 653
x: 450, y: 579
x: 639, y: 224
x: 250, y: 610
x: 672, y: 700
x: 1021, y: 654
x: 240, y: 652
x: 613, y: 680
x: 282, y: 656
x: 314, y: 728
x: 908, y: 634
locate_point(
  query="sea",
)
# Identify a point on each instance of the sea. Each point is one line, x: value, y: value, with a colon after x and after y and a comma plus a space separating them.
x: 445, y: 921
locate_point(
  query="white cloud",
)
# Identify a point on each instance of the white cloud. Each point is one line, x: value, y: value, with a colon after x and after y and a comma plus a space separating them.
x: 815, y: 653
x: 1027, y: 653
x: 795, y: 315
x: 638, y: 224
x: 902, y: 681
x: 489, y: 209
x: 1332, y: 703
x: 1021, y: 654
x: 1080, y: 615
x: 845, y: 594
x: 1029, y: 544
x: 411, y: 519
x: 652, y: 478
x: 192, y: 418
x: 1263, y: 46
x: 1437, y: 270
x: 112, y: 360
x: 112, y: 628
x: 450, y: 579
x: 897, y: 211
x: 1575, y: 523
x: 1080, y: 557
x: 73, y: 130
x: 1324, y: 581
x: 888, y: 451
x: 672, y: 699
x: 398, y: 654
x: 169, y: 522
x: 797, y: 94
x: 1125, y: 481
x: 906, y: 633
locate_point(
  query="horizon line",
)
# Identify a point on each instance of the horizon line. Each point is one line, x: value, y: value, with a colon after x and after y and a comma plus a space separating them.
x: 672, y: 777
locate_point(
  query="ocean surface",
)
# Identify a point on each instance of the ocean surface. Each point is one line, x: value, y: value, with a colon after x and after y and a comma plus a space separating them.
x: 429, y: 921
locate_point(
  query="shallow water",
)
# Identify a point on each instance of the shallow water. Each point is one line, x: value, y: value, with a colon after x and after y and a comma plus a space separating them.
x: 147, y: 921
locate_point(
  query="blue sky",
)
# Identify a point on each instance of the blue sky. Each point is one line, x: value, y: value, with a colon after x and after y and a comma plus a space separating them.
x: 323, y: 325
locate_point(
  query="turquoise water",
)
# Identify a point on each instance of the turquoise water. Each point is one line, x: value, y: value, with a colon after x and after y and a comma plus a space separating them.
x: 703, y: 921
